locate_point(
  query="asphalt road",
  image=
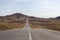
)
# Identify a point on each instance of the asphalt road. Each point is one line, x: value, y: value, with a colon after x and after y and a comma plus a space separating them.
x: 28, y: 33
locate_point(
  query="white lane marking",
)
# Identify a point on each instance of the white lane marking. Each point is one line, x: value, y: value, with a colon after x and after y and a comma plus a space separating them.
x: 30, y: 37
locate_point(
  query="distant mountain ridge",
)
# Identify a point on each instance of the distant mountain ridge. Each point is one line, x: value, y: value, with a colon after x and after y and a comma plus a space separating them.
x: 13, y: 16
x: 18, y: 16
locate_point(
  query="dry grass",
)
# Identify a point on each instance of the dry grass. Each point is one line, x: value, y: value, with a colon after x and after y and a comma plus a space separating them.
x: 6, y: 25
x: 53, y: 24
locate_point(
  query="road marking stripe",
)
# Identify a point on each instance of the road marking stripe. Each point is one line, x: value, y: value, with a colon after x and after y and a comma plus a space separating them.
x: 30, y: 34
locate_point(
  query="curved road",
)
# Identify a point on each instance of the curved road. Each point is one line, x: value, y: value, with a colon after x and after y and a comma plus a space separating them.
x: 27, y: 33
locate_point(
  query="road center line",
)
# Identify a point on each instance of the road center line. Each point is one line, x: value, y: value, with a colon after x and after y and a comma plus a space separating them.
x: 30, y: 37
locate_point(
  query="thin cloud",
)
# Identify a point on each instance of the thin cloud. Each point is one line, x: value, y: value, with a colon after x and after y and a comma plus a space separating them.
x: 40, y: 8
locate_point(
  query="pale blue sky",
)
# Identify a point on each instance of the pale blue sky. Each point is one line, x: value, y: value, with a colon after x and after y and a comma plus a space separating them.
x: 38, y: 8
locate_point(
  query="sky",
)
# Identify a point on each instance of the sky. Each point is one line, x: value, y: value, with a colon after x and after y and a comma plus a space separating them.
x: 37, y: 8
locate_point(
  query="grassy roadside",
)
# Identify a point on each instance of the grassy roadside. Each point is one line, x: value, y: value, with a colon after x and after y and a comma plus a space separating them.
x: 36, y: 26
x: 50, y: 24
x: 11, y: 24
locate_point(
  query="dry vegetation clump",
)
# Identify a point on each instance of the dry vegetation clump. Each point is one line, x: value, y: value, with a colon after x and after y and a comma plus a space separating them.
x: 5, y: 25
x: 53, y: 24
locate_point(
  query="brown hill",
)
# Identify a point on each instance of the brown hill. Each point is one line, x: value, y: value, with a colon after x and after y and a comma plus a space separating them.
x: 14, y: 16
